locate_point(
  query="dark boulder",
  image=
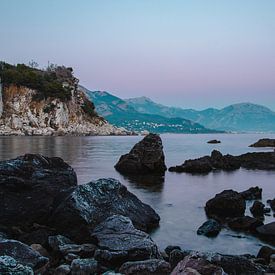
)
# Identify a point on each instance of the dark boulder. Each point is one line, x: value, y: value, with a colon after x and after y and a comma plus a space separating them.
x: 257, y: 209
x: 84, y: 266
x: 258, y: 160
x: 228, y: 203
x: 23, y: 254
x: 264, y: 142
x: 213, y: 141
x: 152, y: 267
x: 30, y: 185
x: 91, y: 203
x: 122, y: 242
x: 272, y: 204
x: 170, y: 248
x: 265, y: 252
x: 245, y: 223
x: 176, y: 256
x: 253, y: 193
x: 267, y: 231
x: 145, y: 157
x: 57, y: 241
x: 210, y: 228
x: 9, y: 266
x: 63, y: 269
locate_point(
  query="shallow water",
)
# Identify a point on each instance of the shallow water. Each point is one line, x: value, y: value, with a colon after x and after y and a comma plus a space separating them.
x: 180, y: 198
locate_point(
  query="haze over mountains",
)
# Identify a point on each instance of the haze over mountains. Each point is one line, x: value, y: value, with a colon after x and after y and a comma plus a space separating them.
x: 142, y: 113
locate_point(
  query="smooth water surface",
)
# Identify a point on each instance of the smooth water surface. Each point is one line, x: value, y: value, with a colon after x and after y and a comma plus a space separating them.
x: 179, y: 198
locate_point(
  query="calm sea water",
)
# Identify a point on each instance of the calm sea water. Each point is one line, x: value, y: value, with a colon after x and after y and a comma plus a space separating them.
x: 179, y: 199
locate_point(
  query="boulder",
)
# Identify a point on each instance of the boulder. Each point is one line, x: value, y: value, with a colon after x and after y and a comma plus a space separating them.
x: 152, y: 266
x: 83, y: 250
x: 119, y: 241
x: 23, y: 254
x: 228, y: 203
x: 200, y: 265
x: 253, y: 193
x: 145, y: 157
x: 267, y: 231
x: 264, y: 142
x: 272, y: 204
x: 57, y: 241
x: 91, y: 203
x: 170, y: 248
x: 30, y: 186
x: 176, y: 256
x: 210, y: 228
x: 265, y: 252
x: 84, y: 266
x: 257, y: 209
x: 245, y: 223
x: 213, y: 141
x: 63, y: 269
x: 9, y: 266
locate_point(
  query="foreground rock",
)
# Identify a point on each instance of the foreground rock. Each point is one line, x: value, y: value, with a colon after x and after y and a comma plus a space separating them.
x: 210, y: 228
x: 265, y: 252
x: 91, y: 203
x: 152, y: 267
x: 9, y: 266
x: 228, y: 203
x: 264, y: 142
x: 145, y: 157
x: 119, y: 241
x: 217, y: 161
x: 29, y: 187
x: 214, y: 141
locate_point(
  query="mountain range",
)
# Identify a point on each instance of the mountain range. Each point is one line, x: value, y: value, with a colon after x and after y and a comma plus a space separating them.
x: 119, y: 113
x: 142, y: 113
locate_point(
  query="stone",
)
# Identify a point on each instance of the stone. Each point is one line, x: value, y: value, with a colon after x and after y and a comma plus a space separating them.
x: 170, y: 248
x: 29, y: 187
x: 84, y: 266
x: 272, y: 204
x: 267, y: 231
x: 40, y: 249
x: 63, y: 269
x: 210, y: 228
x: 123, y: 242
x: 245, y: 223
x: 264, y: 142
x: 152, y: 266
x: 257, y: 209
x: 253, y: 193
x: 9, y: 266
x: 90, y: 204
x: 23, y: 254
x: 176, y: 256
x: 145, y: 157
x: 265, y: 252
x: 55, y: 242
x: 83, y: 250
x: 200, y: 265
x: 228, y: 203
x: 70, y: 257
x: 213, y: 141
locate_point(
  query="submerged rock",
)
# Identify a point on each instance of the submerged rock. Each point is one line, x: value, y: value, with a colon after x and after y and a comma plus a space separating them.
x: 91, y: 203
x: 152, y: 267
x: 228, y: 203
x: 210, y: 228
x: 264, y: 142
x: 119, y: 241
x: 145, y: 157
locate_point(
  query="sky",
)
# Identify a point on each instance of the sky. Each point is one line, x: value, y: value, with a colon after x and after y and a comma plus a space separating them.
x: 186, y: 53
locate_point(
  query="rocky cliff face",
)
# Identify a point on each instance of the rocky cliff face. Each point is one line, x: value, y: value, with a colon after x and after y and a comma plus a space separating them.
x: 25, y: 112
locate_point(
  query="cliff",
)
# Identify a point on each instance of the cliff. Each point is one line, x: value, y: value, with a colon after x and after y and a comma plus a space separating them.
x: 36, y: 102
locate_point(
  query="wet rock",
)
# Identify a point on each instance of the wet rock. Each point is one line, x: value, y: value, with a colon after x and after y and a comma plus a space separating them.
x: 170, y: 248
x: 253, y: 193
x: 145, y: 157
x: 228, y: 203
x: 267, y: 231
x: 245, y: 223
x: 210, y: 228
x: 264, y: 142
x: 9, y: 266
x: 257, y: 209
x: 272, y: 204
x: 91, y: 203
x: 55, y: 242
x: 23, y: 254
x: 152, y: 266
x: 213, y: 141
x: 29, y: 186
x: 84, y: 266
x: 176, y: 256
x: 120, y: 242
x: 200, y: 265
x: 265, y: 252
x: 63, y: 269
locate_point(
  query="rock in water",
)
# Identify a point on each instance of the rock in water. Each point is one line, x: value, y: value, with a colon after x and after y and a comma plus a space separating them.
x: 228, y: 203
x: 210, y: 228
x: 91, y: 203
x: 213, y: 141
x: 264, y: 142
x: 145, y: 157
x: 245, y: 223
x: 29, y: 186
x: 253, y: 193
x: 257, y: 209
x: 267, y: 231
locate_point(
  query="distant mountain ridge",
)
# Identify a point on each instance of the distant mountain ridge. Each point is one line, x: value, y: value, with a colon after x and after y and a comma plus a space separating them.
x: 120, y: 113
x: 242, y: 117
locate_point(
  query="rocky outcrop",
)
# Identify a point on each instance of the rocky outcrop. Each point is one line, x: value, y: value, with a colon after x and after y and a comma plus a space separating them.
x: 253, y: 193
x: 112, y: 234
x: 228, y: 203
x: 264, y: 142
x: 210, y: 228
x: 91, y: 203
x: 145, y: 157
x: 217, y: 161
x: 257, y: 209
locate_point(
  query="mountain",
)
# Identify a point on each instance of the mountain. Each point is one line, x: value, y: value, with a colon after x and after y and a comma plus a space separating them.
x: 242, y: 117
x: 46, y: 102
x: 121, y: 114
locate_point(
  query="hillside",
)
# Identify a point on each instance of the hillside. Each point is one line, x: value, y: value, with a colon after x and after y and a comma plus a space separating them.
x: 243, y: 117
x: 120, y: 113
x: 46, y: 102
